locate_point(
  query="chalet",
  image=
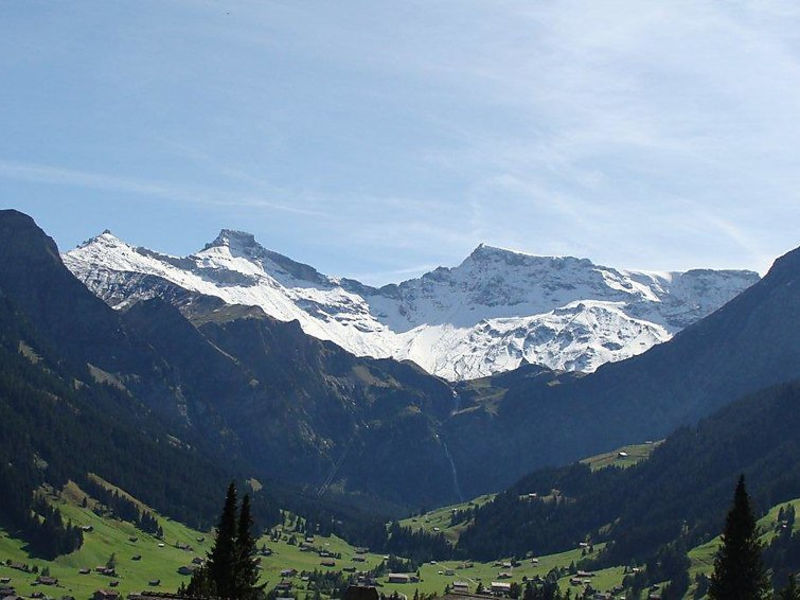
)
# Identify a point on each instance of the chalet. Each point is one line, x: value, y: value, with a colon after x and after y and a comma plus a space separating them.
x: 44, y: 580
x: 18, y: 566
x: 185, y: 570
x: 114, y: 583
x: 328, y: 562
x: 288, y: 572
x: 84, y: 571
x: 133, y: 539
x: 449, y: 572
x: 499, y: 588
x: 283, y: 586
x: 37, y: 595
x: 87, y: 528
x: 359, y: 559
x: 399, y: 578
x: 585, y: 574
x: 461, y: 587
x: 154, y: 582
x: 534, y: 561
x: 197, y: 560
x: 504, y: 575
x: 136, y: 557
x: 201, y: 539
x: 7, y: 590
x: 4, y: 580
x: 106, y: 595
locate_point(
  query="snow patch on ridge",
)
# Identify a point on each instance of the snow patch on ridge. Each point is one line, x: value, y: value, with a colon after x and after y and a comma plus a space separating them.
x: 495, y: 310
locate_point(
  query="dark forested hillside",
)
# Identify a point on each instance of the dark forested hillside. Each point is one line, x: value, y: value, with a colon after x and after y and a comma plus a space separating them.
x: 57, y: 424
x: 249, y: 391
x: 680, y: 493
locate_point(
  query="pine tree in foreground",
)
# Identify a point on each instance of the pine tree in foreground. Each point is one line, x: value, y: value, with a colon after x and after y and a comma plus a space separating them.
x: 231, y: 570
x: 246, y: 572
x: 222, y: 558
x: 739, y: 572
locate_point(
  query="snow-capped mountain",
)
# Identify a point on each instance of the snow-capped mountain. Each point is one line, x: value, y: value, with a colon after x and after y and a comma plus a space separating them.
x: 495, y: 310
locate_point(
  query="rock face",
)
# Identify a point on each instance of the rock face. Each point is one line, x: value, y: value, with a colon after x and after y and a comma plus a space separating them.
x: 496, y: 310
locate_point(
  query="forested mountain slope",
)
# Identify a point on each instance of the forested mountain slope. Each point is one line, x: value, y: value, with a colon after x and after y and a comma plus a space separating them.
x: 679, y: 494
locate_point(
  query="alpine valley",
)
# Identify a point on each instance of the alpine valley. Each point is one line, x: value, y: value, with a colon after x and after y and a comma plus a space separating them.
x: 133, y: 379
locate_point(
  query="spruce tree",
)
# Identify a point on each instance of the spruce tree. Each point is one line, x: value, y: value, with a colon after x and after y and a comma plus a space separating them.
x: 222, y: 558
x: 245, y: 572
x: 739, y: 572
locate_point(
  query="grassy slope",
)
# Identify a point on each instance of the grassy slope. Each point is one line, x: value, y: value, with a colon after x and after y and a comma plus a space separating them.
x: 636, y: 453
x: 111, y: 535
x: 439, y: 520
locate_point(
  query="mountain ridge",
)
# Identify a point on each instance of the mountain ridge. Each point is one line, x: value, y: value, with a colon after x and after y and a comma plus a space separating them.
x: 486, y: 315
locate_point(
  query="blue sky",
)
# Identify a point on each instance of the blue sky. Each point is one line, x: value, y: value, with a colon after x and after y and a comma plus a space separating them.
x: 379, y: 139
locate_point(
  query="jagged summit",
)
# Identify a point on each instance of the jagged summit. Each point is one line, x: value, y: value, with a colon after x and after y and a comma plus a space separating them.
x: 495, y: 310
x: 234, y: 239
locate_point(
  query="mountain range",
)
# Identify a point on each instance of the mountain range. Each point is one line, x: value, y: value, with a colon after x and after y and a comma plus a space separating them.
x: 260, y: 396
x: 495, y: 311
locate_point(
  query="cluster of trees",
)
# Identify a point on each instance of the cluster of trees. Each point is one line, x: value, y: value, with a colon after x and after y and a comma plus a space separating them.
x: 32, y: 518
x: 420, y: 545
x: 123, y: 508
x: 231, y: 569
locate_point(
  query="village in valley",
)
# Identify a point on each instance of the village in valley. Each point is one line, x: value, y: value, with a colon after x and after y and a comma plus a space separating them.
x: 117, y: 560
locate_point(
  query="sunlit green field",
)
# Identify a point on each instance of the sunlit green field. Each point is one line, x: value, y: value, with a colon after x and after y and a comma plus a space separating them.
x: 635, y: 453
x: 161, y: 559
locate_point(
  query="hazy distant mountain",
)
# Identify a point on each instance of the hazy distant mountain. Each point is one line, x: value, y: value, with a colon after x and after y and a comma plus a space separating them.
x: 493, y: 312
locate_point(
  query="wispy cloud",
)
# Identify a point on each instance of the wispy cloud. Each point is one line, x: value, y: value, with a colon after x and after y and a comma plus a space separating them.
x: 372, y: 136
x: 50, y: 174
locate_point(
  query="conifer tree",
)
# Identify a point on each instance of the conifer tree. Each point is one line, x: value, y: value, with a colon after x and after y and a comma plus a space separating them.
x: 739, y: 572
x: 222, y: 558
x: 246, y: 573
